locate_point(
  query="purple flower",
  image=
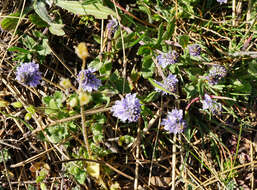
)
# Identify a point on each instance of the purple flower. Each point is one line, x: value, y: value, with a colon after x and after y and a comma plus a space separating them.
x: 222, y: 1
x: 127, y: 108
x: 112, y: 25
x: 169, y: 84
x: 165, y: 59
x: 194, y: 50
x: 211, y: 105
x: 28, y: 74
x: 174, y: 122
x: 89, y: 80
x: 216, y: 73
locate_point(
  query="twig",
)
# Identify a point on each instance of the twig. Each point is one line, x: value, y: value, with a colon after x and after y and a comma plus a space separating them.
x: 155, y: 143
x: 83, y: 119
x: 137, y: 156
x: 123, y: 48
x: 173, y: 174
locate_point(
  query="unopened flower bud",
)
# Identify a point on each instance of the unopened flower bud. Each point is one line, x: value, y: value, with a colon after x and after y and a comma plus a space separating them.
x: 28, y: 116
x: 81, y: 50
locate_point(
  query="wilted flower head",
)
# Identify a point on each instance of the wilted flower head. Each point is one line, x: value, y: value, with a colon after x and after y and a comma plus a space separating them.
x: 128, y: 108
x: 216, y: 73
x: 211, y: 105
x: 169, y: 84
x: 84, y: 98
x: 222, y: 1
x: 65, y: 83
x: 165, y: 59
x: 89, y: 80
x: 194, y: 50
x: 81, y: 50
x: 28, y: 74
x: 112, y: 25
x: 174, y: 122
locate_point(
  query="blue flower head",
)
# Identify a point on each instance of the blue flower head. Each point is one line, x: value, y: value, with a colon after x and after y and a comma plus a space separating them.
x: 222, y: 1
x: 28, y: 74
x: 169, y: 84
x: 128, y: 108
x: 89, y: 80
x: 211, y: 105
x: 174, y: 122
x: 216, y: 73
x: 194, y: 50
x: 165, y: 59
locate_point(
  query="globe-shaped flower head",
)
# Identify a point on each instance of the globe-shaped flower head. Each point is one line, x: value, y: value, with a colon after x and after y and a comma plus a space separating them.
x: 28, y: 74
x: 194, y: 50
x: 169, y: 84
x: 216, y: 73
x: 128, y: 108
x: 211, y: 105
x: 89, y: 80
x: 165, y: 59
x: 174, y: 122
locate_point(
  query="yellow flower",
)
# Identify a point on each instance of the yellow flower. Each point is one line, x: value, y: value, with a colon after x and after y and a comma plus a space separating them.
x: 81, y: 50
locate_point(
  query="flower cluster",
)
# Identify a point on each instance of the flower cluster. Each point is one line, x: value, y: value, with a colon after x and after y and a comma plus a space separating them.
x: 28, y: 74
x: 216, y: 73
x: 194, y: 50
x: 211, y: 105
x: 169, y: 84
x: 128, y: 108
x: 165, y: 59
x: 174, y: 122
x: 89, y: 80
x: 222, y: 1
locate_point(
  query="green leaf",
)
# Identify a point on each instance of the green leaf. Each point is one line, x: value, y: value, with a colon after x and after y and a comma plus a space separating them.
x: 169, y: 30
x: 5, y: 155
x: 46, y: 50
x: 31, y: 109
x: 117, y: 82
x: 35, y: 19
x: 18, y: 49
x: 17, y: 104
x: 183, y: 40
x: 97, y: 10
x: 56, y: 29
x: 252, y: 70
x: 147, y: 66
x: 160, y: 34
x: 40, y: 9
x: 9, y: 23
x: 151, y: 97
x: 144, y: 49
x: 160, y: 87
x: 43, y: 186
